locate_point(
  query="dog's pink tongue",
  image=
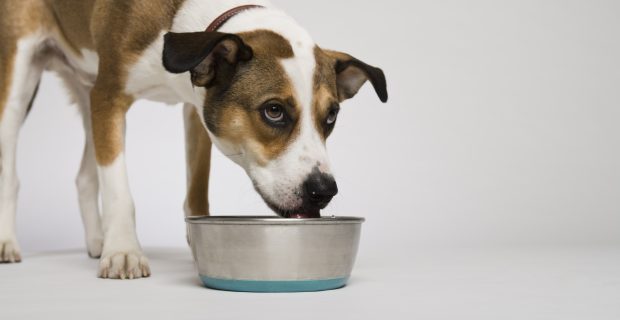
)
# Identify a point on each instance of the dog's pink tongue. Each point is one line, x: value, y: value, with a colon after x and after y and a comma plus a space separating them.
x: 306, y: 215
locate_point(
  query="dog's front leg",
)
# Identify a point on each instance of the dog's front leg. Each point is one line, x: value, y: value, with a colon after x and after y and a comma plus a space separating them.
x: 122, y: 256
x: 198, y: 153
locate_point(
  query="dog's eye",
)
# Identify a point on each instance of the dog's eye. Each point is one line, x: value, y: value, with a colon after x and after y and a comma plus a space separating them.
x: 274, y: 112
x: 332, y: 115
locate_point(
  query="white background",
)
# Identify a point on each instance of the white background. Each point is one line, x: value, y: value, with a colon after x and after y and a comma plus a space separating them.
x: 490, y: 181
x: 501, y: 129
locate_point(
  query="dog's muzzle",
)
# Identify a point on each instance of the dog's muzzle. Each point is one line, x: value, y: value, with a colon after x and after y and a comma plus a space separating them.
x: 315, y: 193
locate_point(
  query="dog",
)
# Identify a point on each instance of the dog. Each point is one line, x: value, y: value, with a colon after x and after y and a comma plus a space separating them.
x: 252, y: 81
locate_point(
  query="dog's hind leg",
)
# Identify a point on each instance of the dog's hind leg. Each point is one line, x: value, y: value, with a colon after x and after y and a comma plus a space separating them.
x: 20, y: 72
x: 87, y: 180
x: 88, y: 190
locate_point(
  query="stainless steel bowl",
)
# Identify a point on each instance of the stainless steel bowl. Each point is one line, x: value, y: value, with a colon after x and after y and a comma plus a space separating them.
x: 271, y: 254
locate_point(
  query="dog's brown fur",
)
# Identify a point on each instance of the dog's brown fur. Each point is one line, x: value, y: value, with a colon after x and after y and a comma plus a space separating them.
x: 72, y: 17
x: 325, y: 90
x: 17, y: 18
x: 7, y: 55
x: 121, y: 32
x: 198, y: 150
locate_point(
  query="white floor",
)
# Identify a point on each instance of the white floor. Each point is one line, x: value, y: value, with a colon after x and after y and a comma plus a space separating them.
x: 564, y: 283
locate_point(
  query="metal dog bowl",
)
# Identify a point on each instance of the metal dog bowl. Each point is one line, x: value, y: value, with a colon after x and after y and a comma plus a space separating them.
x: 271, y: 254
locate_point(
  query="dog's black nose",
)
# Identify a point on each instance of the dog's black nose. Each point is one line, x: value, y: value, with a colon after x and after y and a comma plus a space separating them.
x: 319, y: 189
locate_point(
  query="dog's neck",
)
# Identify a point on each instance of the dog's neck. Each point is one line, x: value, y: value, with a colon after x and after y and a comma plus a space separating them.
x: 197, y: 15
x: 222, y: 18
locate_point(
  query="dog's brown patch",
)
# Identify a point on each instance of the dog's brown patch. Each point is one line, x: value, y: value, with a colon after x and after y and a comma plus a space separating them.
x: 339, y: 77
x: 234, y: 114
x: 267, y: 43
x: 18, y: 18
x: 7, y: 56
x: 108, y: 115
x: 325, y: 90
x: 121, y: 31
x: 21, y: 17
x: 73, y: 18
x: 131, y: 26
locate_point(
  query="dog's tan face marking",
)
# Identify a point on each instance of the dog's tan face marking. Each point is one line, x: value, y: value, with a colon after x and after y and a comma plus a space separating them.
x: 234, y: 115
x: 324, y: 106
x: 325, y: 92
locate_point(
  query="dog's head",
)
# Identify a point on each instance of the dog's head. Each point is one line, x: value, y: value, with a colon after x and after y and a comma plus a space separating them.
x: 270, y: 105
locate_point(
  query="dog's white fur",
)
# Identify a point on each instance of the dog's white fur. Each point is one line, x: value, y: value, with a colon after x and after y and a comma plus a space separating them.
x: 114, y: 238
x: 281, y: 179
x: 26, y: 73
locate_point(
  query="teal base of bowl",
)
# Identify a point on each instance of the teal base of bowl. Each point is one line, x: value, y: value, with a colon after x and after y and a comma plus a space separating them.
x: 273, y: 286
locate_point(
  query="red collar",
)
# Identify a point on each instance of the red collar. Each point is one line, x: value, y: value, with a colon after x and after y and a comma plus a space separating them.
x: 219, y: 21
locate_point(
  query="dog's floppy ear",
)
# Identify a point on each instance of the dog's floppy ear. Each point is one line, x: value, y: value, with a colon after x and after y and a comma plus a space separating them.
x: 351, y: 74
x: 210, y: 57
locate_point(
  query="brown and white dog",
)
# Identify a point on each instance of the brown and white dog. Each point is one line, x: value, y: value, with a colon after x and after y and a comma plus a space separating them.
x: 259, y: 88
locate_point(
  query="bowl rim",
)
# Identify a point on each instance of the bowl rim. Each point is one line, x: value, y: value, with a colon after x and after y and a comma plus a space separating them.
x: 271, y: 220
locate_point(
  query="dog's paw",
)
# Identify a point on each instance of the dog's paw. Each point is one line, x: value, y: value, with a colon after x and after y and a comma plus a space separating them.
x: 94, y: 247
x: 9, y: 251
x: 124, y: 265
